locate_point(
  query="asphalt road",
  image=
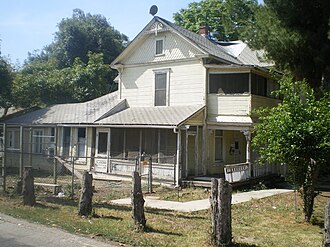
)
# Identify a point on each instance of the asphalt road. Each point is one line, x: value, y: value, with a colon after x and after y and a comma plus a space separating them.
x: 20, y: 233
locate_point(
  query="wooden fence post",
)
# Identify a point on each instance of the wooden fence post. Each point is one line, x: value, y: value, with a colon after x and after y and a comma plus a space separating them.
x: 327, y: 225
x: 28, y: 187
x: 220, y: 201
x: 137, y: 202
x: 85, y: 203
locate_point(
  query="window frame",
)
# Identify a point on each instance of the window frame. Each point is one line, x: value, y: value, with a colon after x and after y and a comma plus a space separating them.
x: 162, y: 42
x: 37, y: 141
x: 167, y: 86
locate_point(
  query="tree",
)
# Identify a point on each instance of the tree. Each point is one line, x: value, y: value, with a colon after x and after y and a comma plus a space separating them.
x: 40, y: 84
x: 6, y: 78
x: 295, y: 34
x: 75, y: 67
x: 83, y: 33
x: 296, y: 133
x: 226, y: 19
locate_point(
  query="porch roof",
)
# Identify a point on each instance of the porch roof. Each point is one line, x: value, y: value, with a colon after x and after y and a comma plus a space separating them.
x: 152, y: 116
x: 230, y: 120
x: 73, y: 113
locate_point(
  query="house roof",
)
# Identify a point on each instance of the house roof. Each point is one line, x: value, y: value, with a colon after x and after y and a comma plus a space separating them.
x: 233, y: 52
x: 73, y: 113
x: 152, y: 116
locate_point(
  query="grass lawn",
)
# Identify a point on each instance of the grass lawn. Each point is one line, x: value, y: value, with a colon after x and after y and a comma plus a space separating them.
x: 266, y: 222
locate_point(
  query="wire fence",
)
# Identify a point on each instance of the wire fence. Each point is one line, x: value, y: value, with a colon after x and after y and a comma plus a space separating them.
x: 62, y: 175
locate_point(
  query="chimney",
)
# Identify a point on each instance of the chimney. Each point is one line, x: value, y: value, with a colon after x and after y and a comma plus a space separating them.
x: 204, y: 31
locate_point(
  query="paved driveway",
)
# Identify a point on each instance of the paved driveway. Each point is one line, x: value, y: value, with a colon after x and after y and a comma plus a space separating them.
x: 20, y: 233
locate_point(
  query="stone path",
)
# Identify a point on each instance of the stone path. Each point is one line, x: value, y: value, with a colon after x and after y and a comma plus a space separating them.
x: 154, y: 202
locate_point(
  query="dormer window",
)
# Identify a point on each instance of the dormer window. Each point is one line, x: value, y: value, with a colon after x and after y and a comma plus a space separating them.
x: 159, y: 46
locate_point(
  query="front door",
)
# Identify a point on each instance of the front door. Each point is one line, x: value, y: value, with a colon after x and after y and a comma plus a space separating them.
x: 102, y: 151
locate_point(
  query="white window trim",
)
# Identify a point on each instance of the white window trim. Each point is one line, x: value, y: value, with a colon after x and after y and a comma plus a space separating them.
x: 98, y: 131
x: 11, y: 139
x: 34, y: 138
x: 162, y: 71
x: 163, y: 51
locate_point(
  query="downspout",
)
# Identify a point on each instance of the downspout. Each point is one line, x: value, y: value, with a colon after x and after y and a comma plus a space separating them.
x: 177, y: 163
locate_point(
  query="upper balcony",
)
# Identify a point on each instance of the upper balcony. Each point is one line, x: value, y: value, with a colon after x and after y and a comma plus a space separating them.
x: 237, y: 94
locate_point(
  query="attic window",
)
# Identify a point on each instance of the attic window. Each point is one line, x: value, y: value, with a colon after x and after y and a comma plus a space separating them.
x: 159, y: 47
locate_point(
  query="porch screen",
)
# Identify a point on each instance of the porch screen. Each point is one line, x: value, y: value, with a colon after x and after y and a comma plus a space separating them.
x: 103, y: 143
x: 117, y: 143
x: 229, y: 83
x: 160, y: 89
x: 258, y: 85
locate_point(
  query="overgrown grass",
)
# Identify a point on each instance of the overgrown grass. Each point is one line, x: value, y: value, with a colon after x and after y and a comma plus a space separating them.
x: 266, y: 222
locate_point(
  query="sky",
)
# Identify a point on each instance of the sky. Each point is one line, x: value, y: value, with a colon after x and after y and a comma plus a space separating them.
x: 29, y: 25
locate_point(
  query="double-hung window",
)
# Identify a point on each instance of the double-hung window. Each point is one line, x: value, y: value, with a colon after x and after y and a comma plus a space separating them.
x: 159, y: 46
x: 37, y: 141
x: 160, y: 88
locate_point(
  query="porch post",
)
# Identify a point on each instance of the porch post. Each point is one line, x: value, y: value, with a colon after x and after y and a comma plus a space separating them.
x: 21, y: 151
x: 177, y: 168
x: 247, y: 134
x: 31, y: 146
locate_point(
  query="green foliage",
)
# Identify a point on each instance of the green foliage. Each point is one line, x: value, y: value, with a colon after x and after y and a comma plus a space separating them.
x: 227, y: 20
x: 295, y: 35
x: 296, y: 133
x: 75, y: 67
x: 84, y: 33
x: 6, y: 78
x: 39, y: 83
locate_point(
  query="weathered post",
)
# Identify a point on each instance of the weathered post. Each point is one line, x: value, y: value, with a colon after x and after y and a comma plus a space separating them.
x: 327, y: 225
x: 137, y: 202
x: 220, y: 201
x: 85, y: 203
x: 28, y: 187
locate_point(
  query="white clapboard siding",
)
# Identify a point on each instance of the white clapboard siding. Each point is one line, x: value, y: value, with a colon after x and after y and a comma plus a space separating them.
x: 174, y: 48
x: 186, y: 83
x: 229, y: 104
x: 260, y: 101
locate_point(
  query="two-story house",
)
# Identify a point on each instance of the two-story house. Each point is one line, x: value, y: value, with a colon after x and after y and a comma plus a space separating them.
x: 182, y: 98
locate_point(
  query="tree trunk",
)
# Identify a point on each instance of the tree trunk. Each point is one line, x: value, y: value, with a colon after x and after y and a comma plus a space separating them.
x: 309, y: 189
x: 85, y: 203
x: 220, y: 201
x: 137, y: 203
x: 28, y: 187
x: 327, y: 225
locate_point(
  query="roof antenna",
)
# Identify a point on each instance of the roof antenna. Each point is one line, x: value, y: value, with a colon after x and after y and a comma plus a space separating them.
x: 153, y: 10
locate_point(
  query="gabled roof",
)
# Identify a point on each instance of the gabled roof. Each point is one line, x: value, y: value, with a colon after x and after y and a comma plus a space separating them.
x: 73, y: 113
x: 206, y: 46
x: 171, y: 116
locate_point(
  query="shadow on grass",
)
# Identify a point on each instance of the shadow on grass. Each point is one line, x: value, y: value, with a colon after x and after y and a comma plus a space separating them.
x: 152, y: 230
x: 60, y: 200
x: 40, y: 205
x: 112, y: 206
x: 318, y: 222
x: 106, y: 217
x: 184, y: 215
x: 242, y: 245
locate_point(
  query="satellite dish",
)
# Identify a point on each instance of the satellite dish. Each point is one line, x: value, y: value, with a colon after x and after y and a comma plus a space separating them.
x: 153, y: 10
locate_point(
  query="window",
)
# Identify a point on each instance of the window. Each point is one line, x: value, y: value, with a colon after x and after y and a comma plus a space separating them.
x: 13, y: 139
x: 102, y: 146
x: 218, y: 145
x: 159, y: 47
x: 258, y: 85
x: 81, y: 142
x: 229, y: 83
x: 160, y: 89
x: 37, y: 141
x: 66, y: 140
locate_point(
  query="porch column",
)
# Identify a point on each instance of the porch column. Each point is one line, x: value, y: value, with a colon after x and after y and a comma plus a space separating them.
x: 247, y: 134
x: 177, y: 165
x: 21, y: 166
